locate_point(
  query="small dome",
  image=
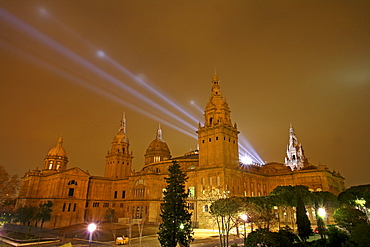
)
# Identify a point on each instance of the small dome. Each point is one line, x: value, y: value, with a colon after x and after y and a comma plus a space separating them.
x: 58, y: 150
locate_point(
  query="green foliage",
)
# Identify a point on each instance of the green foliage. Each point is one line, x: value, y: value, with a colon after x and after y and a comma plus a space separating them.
x: 176, y: 219
x: 348, y: 217
x: 336, y: 236
x: 225, y: 211
x: 284, y: 196
x: 361, y: 234
x: 276, y: 239
x: 260, y: 210
x: 354, y: 193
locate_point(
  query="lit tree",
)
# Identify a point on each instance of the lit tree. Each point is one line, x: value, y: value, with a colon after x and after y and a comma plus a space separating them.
x: 176, y: 219
x: 284, y: 196
x: 226, y: 211
x: 260, y: 210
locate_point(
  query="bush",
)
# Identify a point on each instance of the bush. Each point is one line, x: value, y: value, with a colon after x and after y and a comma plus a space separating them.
x: 336, y: 236
x: 283, y: 238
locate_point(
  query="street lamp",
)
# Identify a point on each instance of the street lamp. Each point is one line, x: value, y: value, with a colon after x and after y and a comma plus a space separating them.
x: 244, y: 217
x: 321, y: 212
x: 320, y: 221
x: 91, y: 228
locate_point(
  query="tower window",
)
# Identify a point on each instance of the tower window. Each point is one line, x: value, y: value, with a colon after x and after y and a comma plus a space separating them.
x: 191, y: 191
x: 123, y: 194
x: 202, y: 141
x: 210, y: 139
x: 64, y: 207
x: 216, y: 138
x: 71, y: 191
x: 115, y: 194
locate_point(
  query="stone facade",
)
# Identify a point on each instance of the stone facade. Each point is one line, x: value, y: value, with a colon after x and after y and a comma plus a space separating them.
x: 214, y: 171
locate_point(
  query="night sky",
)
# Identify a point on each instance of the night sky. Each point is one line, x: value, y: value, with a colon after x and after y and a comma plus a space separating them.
x: 74, y: 67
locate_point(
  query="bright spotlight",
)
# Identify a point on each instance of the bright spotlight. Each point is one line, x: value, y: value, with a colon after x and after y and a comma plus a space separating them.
x: 100, y: 53
x: 247, y: 160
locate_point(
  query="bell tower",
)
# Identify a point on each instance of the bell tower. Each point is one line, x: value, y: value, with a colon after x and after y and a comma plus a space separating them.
x: 218, y: 137
x: 119, y: 158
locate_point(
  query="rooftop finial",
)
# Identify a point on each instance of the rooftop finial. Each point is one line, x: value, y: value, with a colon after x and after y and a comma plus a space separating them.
x: 215, y: 77
x: 60, y: 140
x: 159, y: 132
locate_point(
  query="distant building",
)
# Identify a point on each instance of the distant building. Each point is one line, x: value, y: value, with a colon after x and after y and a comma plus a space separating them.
x: 214, y: 171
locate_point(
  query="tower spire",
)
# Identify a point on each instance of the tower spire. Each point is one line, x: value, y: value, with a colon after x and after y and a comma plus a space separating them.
x: 215, y: 77
x: 295, y: 158
x: 122, y: 128
x: 159, y: 132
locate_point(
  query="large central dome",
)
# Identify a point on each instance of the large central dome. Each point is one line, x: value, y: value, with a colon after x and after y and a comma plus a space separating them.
x: 158, y: 149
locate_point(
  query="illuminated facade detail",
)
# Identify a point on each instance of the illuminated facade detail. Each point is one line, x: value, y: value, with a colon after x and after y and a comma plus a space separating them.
x: 158, y: 149
x: 57, y: 158
x: 214, y: 172
x: 119, y: 158
x: 295, y: 158
x: 217, y: 123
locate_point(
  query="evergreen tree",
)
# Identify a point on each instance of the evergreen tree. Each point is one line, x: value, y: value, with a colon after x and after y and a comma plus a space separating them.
x: 176, y: 225
x: 303, y: 223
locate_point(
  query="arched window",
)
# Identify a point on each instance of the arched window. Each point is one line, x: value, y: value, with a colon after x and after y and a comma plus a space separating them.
x: 72, y: 182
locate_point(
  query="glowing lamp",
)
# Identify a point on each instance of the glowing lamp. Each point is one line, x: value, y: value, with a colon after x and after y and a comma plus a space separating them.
x: 91, y: 227
x: 321, y: 212
x: 244, y: 217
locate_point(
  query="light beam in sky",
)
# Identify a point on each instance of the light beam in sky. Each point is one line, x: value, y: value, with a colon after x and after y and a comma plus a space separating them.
x: 197, y: 107
x: 172, y: 120
x: 47, y: 41
x: 125, y: 71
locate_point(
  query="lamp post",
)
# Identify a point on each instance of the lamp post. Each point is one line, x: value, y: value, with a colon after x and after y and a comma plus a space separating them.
x: 244, y: 217
x: 91, y: 228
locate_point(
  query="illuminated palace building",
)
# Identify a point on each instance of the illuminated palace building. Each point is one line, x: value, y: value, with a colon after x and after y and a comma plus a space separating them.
x: 214, y: 171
